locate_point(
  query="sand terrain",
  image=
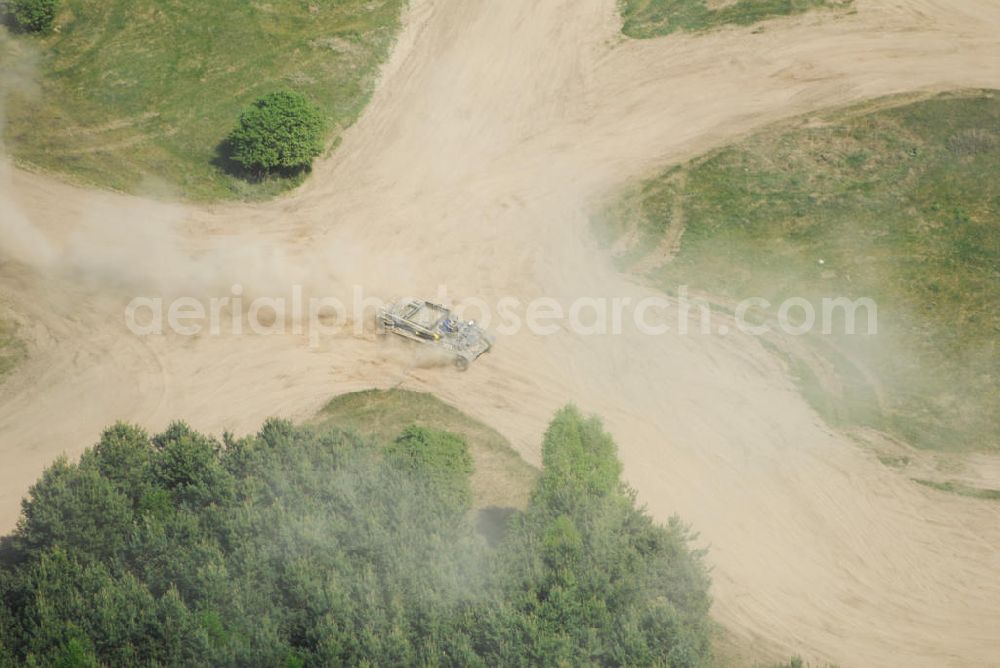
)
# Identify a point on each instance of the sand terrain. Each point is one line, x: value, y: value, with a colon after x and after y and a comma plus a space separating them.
x: 497, y: 129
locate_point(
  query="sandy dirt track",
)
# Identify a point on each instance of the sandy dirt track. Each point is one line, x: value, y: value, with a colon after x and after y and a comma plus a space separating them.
x: 496, y: 130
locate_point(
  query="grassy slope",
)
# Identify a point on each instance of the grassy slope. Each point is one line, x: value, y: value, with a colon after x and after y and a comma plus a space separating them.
x: 501, y: 478
x: 138, y: 94
x: 655, y: 18
x: 901, y: 202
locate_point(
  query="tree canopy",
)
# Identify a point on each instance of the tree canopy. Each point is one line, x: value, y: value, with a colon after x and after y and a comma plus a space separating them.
x: 35, y: 15
x: 303, y: 546
x: 280, y: 131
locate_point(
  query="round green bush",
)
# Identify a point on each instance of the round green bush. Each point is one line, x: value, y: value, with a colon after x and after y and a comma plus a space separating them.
x: 35, y: 15
x: 282, y: 131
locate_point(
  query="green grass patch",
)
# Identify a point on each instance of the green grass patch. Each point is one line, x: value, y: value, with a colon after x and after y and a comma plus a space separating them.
x: 895, y: 201
x: 655, y: 18
x: 138, y: 95
x: 960, y: 488
x: 12, y: 349
x: 501, y: 479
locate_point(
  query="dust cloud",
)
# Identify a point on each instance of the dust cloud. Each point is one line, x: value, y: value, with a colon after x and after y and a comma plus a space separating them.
x: 19, y: 238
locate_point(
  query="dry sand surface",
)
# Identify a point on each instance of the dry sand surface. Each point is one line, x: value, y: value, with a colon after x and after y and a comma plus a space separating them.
x: 496, y: 130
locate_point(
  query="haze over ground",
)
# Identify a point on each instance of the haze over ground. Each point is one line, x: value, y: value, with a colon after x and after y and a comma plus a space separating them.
x: 495, y: 132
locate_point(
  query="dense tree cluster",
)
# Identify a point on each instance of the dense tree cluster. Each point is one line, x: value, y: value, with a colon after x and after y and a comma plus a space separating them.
x: 301, y: 546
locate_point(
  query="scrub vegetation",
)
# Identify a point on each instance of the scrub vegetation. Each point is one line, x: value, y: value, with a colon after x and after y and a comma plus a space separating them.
x: 655, y: 18
x: 12, y: 350
x: 33, y: 15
